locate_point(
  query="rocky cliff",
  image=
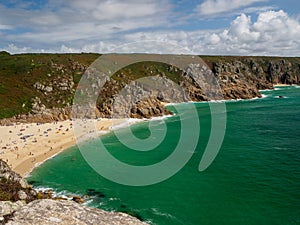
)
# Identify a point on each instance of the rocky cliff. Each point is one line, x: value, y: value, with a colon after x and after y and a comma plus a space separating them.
x: 242, y: 77
x: 237, y: 77
x: 40, y: 87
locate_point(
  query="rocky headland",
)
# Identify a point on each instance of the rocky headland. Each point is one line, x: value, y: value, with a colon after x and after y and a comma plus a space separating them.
x: 44, y: 84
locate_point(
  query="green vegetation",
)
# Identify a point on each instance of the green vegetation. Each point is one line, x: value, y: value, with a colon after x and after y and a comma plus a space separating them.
x: 9, y: 190
x: 142, y: 69
x: 19, y: 73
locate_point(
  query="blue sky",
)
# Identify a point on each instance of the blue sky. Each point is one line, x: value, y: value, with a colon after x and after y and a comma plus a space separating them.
x: 214, y: 27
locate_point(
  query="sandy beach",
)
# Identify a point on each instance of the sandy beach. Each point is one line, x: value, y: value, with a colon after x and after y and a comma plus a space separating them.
x: 281, y: 85
x: 24, y: 146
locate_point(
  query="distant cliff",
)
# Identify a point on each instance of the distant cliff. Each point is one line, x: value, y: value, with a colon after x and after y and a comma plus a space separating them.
x: 242, y: 77
x: 40, y: 87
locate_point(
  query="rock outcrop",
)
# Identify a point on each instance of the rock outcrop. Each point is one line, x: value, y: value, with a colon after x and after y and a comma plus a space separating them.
x: 242, y: 77
x: 13, y: 187
x: 49, y: 212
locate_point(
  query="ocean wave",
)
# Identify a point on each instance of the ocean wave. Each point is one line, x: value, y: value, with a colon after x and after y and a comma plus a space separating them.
x: 114, y: 199
x: 288, y: 87
x: 237, y: 100
x: 264, y: 96
x: 160, y: 117
x: 281, y: 96
x: 157, y: 212
x: 127, y: 123
x: 179, y: 103
x: 221, y: 101
x: 63, y: 194
x: 266, y: 90
x: 166, y: 215
x: 89, y: 200
x: 131, y: 121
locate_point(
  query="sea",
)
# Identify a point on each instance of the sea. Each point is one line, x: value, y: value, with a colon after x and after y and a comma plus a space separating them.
x: 254, y: 179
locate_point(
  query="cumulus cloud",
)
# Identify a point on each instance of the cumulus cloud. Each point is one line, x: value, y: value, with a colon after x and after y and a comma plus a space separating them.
x: 216, y: 7
x: 271, y: 33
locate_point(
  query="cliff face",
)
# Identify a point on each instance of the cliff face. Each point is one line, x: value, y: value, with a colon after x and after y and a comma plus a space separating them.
x: 242, y: 77
x: 44, y: 85
x: 238, y: 78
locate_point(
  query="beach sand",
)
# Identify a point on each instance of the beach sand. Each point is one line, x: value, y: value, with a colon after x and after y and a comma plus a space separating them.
x: 281, y: 85
x: 24, y: 146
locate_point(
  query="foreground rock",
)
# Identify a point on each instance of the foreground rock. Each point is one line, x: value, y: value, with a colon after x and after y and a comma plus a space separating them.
x: 44, y: 212
x: 13, y: 187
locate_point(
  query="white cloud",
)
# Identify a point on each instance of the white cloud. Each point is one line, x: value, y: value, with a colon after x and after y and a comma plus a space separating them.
x: 15, y: 49
x: 241, y: 30
x: 109, y: 10
x: 5, y: 27
x: 66, y: 21
x: 272, y: 33
x: 216, y: 7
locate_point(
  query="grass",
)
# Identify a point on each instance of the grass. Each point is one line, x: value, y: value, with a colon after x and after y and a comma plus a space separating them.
x: 18, y: 74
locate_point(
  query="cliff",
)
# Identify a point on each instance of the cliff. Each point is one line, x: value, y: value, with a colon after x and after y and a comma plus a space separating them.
x: 242, y: 77
x: 40, y: 87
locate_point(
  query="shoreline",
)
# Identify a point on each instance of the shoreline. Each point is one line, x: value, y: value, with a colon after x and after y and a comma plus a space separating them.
x: 26, y: 146
x: 282, y: 85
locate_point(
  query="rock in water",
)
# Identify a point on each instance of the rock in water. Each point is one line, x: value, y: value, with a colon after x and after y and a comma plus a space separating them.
x: 46, y: 212
x: 78, y: 199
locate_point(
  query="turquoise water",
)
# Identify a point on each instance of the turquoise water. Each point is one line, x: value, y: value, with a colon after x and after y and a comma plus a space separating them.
x: 255, y: 179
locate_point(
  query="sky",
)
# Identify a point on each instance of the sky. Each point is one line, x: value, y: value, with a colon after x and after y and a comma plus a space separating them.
x: 207, y: 27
